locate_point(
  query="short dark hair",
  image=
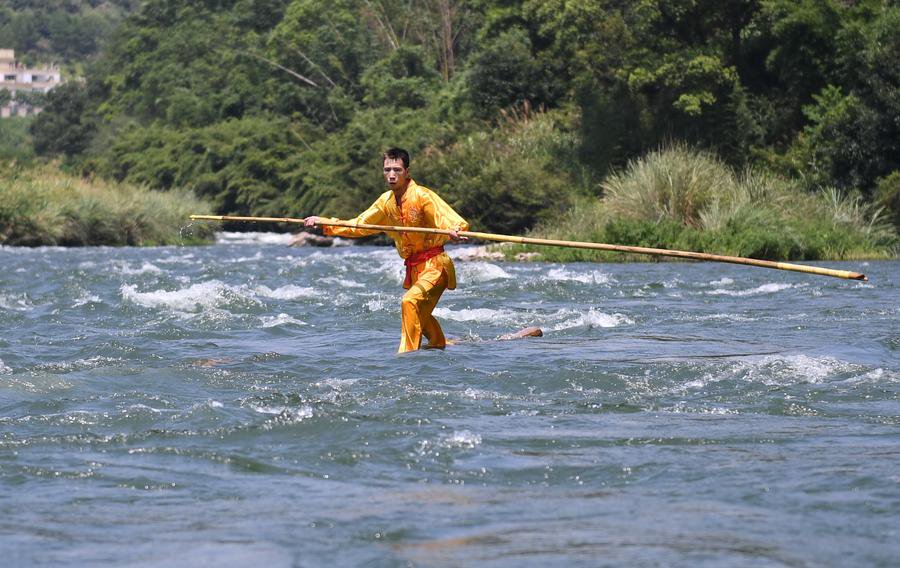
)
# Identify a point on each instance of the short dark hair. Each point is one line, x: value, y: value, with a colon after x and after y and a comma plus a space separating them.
x: 397, y: 154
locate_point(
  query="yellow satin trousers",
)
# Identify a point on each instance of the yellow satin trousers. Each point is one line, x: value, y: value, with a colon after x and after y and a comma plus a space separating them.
x: 416, y: 307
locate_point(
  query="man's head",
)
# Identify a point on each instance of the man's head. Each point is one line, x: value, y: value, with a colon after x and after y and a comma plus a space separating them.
x: 396, y: 168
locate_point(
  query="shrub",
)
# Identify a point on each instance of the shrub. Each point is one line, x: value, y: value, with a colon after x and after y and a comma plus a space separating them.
x: 510, y: 178
x: 15, y: 140
x: 675, y: 184
x: 887, y: 196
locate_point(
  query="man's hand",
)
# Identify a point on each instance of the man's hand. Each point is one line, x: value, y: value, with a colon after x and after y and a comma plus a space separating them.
x: 311, y: 221
x: 454, y: 236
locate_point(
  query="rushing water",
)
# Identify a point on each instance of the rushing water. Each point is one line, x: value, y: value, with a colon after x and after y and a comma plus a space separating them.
x: 242, y: 404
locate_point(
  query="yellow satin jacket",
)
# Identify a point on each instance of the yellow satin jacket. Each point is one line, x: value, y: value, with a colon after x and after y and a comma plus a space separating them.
x: 419, y: 207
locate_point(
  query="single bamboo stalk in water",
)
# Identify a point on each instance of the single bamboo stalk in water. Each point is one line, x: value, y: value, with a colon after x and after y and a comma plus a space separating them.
x: 558, y: 243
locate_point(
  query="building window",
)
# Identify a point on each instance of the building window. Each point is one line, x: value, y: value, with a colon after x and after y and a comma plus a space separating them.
x: 9, y: 77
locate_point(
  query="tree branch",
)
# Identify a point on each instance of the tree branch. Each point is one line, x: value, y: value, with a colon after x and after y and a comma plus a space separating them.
x: 306, y: 80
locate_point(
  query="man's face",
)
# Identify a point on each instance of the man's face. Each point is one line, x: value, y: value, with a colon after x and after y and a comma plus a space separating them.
x: 395, y: 174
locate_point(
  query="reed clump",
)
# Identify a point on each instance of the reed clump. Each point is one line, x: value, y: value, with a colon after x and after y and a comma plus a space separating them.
x: 680, y: 198
x: 44, y: 206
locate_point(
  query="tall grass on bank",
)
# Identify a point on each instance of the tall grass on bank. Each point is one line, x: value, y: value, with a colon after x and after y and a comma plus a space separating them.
x: 44, y: 206
x: 679, y: 198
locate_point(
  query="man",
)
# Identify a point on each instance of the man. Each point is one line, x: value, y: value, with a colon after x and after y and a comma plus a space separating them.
x: 429, y: 271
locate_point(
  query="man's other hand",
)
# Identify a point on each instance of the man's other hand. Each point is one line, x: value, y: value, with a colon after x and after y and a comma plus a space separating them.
x: 454, y: 236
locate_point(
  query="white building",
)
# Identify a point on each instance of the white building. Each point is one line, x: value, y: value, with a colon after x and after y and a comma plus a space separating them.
x: 16, y: 78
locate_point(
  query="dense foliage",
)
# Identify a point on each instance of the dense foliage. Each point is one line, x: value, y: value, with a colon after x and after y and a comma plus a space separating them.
x: 513, y: 109
x: 59, y: 30
x: 15, y: 140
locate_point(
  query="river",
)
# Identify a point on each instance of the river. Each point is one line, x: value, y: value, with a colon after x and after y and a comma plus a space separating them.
x: 243, y: 404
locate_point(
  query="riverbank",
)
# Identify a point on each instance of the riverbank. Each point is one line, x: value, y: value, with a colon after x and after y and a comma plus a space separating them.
x: 677, y: 199
x: 43, y: 206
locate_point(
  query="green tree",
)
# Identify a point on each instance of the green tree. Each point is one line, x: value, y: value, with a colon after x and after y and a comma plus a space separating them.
x: 66, y: 125
x: 802, y: 52
x: 839, y: 146
x: 330, y: 46
x: 505, y: 73
x: 402, y: 79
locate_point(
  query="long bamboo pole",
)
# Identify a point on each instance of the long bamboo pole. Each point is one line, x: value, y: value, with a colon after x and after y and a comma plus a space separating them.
x: 558, y: 243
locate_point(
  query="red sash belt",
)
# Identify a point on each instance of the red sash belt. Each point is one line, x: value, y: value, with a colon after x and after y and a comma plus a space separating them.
x: 417, y: 259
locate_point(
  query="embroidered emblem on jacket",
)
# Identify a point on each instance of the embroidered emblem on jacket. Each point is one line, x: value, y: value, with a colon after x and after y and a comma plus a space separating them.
x: 414, y: 216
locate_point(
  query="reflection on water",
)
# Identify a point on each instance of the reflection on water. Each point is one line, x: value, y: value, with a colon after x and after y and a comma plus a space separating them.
x: 243, y: 403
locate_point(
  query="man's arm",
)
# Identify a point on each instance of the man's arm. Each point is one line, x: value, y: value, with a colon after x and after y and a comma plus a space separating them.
x: 374, y: 215
x: 443, y: 216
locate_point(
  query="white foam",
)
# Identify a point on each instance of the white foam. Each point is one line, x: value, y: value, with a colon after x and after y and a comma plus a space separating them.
x: 17, y: 303
x: 142, y: 407
x: 722, y: 282
x: 280, y: 319
x: 878, y: 375
x: 461, y: 439
x: 381, y: 304
x: 481, y: 272
x: 146, y: 268
x: 722, y: 317
x: 79, y: 364
x: 243, y: 259
x: 644, y: 293
x: 268, y: 409
x: 486, y: 315
x: 342, y: 282
x: 4, y: 369
x: 194, y: 298
x: 565, y: 275
x: 480, y: 394
x: 391, y: 268
x: 232, y: 238
x: 682, y: 407
x: 286, y: 414
x: 594, y: 318
x: 287, y: 292
x: 799, y: 368
x: 208, y: 404
x: 337, y: 384
x: 78, y: 417
x: 86, y: 299
x: 176, y: 259
x: 776, y: 370
x: 764, y: 289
